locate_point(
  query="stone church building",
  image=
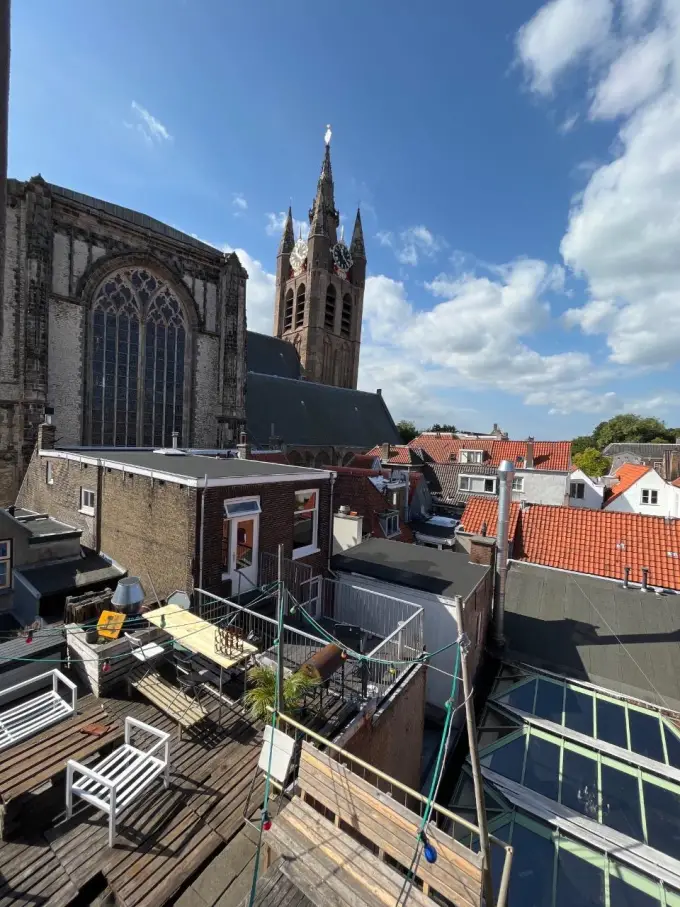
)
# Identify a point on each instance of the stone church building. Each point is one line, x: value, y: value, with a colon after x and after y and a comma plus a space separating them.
x: 135, y: 333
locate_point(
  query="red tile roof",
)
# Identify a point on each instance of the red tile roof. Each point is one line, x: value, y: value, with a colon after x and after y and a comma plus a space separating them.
x: 627, y: 474
x: 485, y: 510
x: 399, y: 453
x: 602, y: 543
x: 363, y: 461
x: 547, y: 454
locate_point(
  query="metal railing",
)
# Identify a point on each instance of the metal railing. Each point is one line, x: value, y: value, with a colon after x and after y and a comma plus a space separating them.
x: 374, y: 612
x: 294, y: 573
x: 443, y: 818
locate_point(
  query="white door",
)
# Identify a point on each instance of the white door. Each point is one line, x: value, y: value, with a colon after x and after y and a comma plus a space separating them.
x: 244, y: 532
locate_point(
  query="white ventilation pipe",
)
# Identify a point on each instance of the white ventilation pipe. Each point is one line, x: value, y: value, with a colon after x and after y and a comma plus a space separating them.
x: 506, y: 472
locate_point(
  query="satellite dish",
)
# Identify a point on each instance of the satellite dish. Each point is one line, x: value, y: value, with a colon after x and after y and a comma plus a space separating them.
x: 180, y: 598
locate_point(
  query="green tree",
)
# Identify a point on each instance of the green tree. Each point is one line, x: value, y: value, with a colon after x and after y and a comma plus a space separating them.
x: 629, y: 427
x: 583, y: 442
x: 444, y: 427
x: 407, y: 430
x: 261, y: 695
x: 592, y: 462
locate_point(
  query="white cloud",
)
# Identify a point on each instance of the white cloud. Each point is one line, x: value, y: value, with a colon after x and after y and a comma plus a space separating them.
x: 239, y: 204
x: 635, y: 12
x: 148, y: 126
x: 411, y: 245
x: 562, y: 33
x: 276, y: 223
x: 634, y: 77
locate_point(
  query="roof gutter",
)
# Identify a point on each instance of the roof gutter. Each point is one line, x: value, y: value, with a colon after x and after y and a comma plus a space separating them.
x: 506, y: 472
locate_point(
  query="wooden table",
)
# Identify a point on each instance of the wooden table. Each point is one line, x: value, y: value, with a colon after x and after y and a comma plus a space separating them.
x: 200, y: 637
x: 42, y: 758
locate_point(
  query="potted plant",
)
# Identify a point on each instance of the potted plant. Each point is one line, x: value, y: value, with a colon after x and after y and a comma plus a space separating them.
x: 261, y: 695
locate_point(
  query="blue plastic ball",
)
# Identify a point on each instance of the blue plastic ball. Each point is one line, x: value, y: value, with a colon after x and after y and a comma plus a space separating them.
x: 430, y: 853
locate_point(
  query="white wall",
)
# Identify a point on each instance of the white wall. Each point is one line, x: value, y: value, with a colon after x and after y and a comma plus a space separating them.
x: 347, y: 531
x: 439, y: 628
x: 541, y: 486
x: 630, y: 501
x: 592, y: 493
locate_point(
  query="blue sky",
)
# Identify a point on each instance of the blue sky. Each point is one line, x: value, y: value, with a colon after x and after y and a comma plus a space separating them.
x: 517, y: 164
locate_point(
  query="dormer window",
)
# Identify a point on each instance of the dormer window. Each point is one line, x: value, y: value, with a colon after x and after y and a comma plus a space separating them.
x: 471, y: 456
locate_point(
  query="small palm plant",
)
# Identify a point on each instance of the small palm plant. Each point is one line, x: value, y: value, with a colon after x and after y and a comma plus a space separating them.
x: 261, y: 695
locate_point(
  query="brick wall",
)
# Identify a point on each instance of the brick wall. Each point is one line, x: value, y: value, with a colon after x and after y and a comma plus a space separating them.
x: 482, y: 550
x: 148, y: 526
x: 277, y: 501
x: 393, y: 740
x: 362, y: 497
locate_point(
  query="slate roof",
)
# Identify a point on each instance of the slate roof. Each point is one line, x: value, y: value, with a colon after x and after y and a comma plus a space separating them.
x: 593, y: 629
x: 268, y: 355
x: 485, y: 510
x: 135, y: 218
x: 555, y: 455
x: 627, y: 474
x: 602, y: 543
x: 442, y: 480
x: 311, y: 414
x: 445, y: 573
x: 644, y: 451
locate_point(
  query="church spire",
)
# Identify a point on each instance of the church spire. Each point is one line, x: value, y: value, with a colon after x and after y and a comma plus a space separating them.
x: 323, y: 213
x: 357, y: 247
x: 288, y: 237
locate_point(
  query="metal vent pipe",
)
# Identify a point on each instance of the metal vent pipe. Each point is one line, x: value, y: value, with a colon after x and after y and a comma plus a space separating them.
x: 506, y: 472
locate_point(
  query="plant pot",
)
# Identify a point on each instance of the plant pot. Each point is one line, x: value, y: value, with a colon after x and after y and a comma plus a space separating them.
x: 91, y: 635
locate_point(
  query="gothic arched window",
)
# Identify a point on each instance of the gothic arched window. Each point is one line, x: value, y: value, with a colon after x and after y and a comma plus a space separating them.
x: 139, y: 344
x: 346, y: 319
x: 329, y: 321
x: 300, y: 307
x: 288, y: 311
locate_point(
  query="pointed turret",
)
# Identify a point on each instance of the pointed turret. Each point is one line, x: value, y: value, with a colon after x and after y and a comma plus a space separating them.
x: 318, y: 221
x: 323, y: 218
x: 288, y: 237
x: 357, y: 247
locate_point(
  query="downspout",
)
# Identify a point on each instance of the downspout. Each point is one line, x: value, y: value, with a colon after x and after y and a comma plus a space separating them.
x: 200, y: 536
x: 506, y: 472
x: 330, y: 541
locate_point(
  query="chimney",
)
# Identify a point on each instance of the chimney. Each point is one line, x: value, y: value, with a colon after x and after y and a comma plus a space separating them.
x: 243, y: 447
x: 379, y: 392
x: 385, y: 451
x: 530, y: 453
x: 47, y: 431
x: 175, y: 439
x: 506, y: 472
x: 484, y: 529
x: 626, y: 575
x: 644, y: 587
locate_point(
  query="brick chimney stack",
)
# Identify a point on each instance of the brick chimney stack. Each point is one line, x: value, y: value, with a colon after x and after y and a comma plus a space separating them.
x: 529, y: 464
x: 243, y: 447
x: 385, y: 452
x: 47, y: 431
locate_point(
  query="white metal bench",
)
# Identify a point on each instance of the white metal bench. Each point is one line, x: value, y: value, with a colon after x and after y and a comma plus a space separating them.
x: 119, y: 780
x: 38, y: 710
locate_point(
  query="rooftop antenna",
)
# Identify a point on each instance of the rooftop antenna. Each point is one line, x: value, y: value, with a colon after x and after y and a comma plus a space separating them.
x: 327, y: 136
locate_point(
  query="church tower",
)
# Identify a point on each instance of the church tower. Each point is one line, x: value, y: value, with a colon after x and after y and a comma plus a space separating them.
x: 320, y: 289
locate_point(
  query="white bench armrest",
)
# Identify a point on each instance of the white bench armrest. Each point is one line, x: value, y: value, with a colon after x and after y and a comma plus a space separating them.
x: 78, y: 767
x: 58, y: 676
x: 162, y: 736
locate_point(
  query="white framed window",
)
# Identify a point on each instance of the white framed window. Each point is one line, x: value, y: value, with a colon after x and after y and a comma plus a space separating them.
x: 389, y: 523
x: 650, y: 496
x: 577, y: 490
x: 5, y: 564
x: 242, y: 507
x: 305, y: 522
x: 477, y: 484
x: 518, y: 483
x: 87, y: 499
x: 49, y: 473
x: 471, y: 456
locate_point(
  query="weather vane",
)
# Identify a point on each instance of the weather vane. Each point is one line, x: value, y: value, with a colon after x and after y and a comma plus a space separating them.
x: 327, y: 136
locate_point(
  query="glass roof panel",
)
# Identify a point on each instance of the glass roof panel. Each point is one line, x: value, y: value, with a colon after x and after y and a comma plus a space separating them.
x: 508, y: 759
x: 624, y: 894
x: 579, y: 884
x: 549, y: 701
x: 579, y: 784
x: 672, y: 747
x: 531, y: 879
x: 611, y: 723
x: 645, y: 734
x: 542, y: 772
x: 521, y: 696
x: 578, y: 711
x: 621, y: 802
x: 662, y: 810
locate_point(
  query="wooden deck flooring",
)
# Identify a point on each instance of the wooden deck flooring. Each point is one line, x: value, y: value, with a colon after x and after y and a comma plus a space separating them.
x: 162, y: 842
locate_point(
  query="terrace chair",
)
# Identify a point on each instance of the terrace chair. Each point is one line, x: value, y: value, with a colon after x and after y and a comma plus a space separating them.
x: 145, y: 653
x: 119, y: 780
x: 189, y: 678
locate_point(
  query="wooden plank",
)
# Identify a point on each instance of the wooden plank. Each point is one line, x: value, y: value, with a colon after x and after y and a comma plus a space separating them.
x: 197, y: 635
x: 168, y: 699
x: 442, y: 876
x: 318, y: 761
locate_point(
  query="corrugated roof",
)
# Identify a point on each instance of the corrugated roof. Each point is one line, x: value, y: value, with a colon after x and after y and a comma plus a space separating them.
x: 485, y: 510
x: 269, y: 355
x: 627, y: 474
x: 307, y: 413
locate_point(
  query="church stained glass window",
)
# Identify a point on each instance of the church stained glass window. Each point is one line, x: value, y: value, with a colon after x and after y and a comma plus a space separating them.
x: 139, y: 337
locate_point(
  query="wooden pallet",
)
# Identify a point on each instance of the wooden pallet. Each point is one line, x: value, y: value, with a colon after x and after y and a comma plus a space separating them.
x: 32, y: 875
x: 274, y: 889
x: 166, y: 697
x: 29, y: 765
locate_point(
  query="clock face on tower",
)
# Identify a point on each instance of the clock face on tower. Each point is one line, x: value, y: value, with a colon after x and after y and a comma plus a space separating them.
x: 298, y: 256
x: 342, y: 258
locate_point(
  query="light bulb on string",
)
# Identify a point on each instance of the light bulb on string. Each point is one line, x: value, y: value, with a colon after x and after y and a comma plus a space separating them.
x: 429, y: 850
x: 106, y: 667
x: 29, y: 637
x: 266, y: 822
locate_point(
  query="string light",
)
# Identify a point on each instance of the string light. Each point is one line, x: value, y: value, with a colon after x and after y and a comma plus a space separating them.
x: 430, y: 851
x: 266, y: 822
x: 106, y: 667
x: 29, y: 637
